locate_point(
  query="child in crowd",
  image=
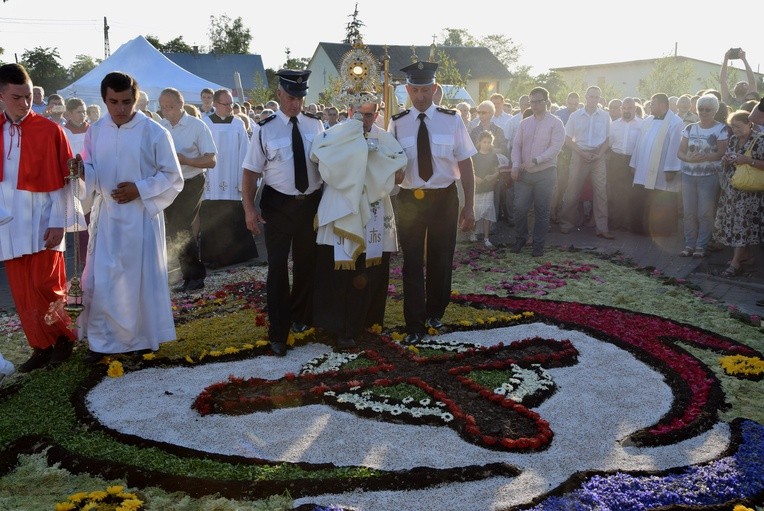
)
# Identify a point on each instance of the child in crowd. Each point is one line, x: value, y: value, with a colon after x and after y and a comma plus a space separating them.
x: 486, y: 164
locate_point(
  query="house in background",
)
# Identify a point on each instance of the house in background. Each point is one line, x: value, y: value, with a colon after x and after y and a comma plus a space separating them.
x: 483, y: 72
x: 625, y: 77
x: 221, y: 68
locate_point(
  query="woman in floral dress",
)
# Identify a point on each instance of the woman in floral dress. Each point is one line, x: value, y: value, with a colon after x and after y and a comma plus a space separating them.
x: 740, y: 215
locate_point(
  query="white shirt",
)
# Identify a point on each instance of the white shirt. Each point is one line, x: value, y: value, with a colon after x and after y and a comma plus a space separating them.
x: 624, y: 134
x: 270, y: 152
x: 449, y: 142
x: 232, y: 142
x: 588, y: 131
x: 33, y: 212
x: 192, y: 138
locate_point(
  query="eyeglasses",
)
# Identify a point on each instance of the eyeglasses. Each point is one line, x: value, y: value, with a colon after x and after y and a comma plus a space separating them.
x: 537, y: 101
x: 223, y: 104
x: 705, y: 109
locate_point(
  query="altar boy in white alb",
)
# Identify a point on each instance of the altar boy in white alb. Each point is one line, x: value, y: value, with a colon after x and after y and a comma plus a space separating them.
x: 130, y: 163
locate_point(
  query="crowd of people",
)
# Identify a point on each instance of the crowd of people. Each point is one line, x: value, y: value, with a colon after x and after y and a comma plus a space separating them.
x: 333, y: 192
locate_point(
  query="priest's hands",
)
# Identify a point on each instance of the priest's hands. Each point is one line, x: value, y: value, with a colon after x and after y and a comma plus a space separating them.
x: 124, y: 193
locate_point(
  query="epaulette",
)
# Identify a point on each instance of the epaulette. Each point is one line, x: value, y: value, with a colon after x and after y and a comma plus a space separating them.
x: 312, y: 116
x: 446, y: 110
x: 400, y: 114
x: 265, y: 121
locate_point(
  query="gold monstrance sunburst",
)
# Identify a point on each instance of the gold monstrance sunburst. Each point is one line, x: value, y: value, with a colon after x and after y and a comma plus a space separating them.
x: 359, y: 70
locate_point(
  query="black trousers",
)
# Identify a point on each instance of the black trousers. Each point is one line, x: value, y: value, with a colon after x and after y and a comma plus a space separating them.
x: 289, y: 227
x: 179, y: 217
x: 654, y: 212
x: 342, y: 297
x: 224, y: 238
x: 426, y: 221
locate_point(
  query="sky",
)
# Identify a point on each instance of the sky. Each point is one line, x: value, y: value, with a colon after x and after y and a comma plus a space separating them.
x: 556, y: 36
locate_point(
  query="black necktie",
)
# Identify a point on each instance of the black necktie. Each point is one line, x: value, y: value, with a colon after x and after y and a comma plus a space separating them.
x: 423, y: 151
x: 300, y: 167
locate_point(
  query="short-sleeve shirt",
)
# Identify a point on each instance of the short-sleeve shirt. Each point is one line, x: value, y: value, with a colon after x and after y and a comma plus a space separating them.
x: 192, y: 139
x: 703, y: 140
x: 270, y: 152
x: 588, y: 131
x: 449, y: 142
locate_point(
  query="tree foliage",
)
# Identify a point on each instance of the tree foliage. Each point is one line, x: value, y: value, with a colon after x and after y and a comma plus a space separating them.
x: 228, y: 36
x: 448, y: 72
x: 555, y: 84
x: 457, y: 37
x: 263, y: 92
x: 503, y: 48
x: 669, y: 75
x: 81, y: 66
x: 353, y: 28
x: 44, y: 67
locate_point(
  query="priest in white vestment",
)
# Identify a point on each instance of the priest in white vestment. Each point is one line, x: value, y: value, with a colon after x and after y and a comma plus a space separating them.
x: 655, y: 206
x: 356, y: 229
x: 131, y: 164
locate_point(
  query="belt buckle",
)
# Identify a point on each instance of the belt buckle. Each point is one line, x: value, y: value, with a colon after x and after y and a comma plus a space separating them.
x: 300, y: 196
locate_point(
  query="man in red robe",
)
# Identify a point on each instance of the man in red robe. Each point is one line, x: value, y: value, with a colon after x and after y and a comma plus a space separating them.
x: 32, y: 189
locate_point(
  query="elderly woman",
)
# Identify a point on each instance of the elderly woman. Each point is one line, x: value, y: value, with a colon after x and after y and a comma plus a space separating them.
x: 740, y: 215
x: 701, y: 149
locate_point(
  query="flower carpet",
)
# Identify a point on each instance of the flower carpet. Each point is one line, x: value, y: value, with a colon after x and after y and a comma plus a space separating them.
x: 569, y: 382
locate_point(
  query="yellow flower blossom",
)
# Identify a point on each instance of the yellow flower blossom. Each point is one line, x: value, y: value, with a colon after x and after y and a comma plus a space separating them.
x: 740, y: 365
x: 78, y: 497
x: 398, y: 336
x: 432, y: 331
x: 528, y: 314
x: 114, y: 490
x: 65, y: 506
x: 215, y: 353
x: 261, y: 343
x: 231, y: 350
x: 248, y: 346
x: 464, y: 322
x: 741, y: 507
x: 97, y: 496
x: 130, y: 505
x: 91, y: 506
x: 376, y: 328
x: 115, y: 369
x: 414, y: 350
x: 290, y: 340
x: 149, y: 356
x: 189, y: 359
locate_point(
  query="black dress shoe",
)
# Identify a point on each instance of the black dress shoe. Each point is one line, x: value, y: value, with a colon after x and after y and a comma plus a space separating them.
x: 433, y: 323
x: 279, y: 349
x: 62, y: 350
x: 299, y: 328
x: 412, y: 339
x: 93, y: 357
x: 194, y: 284
x: 40, y: 358
x: 345, y: 344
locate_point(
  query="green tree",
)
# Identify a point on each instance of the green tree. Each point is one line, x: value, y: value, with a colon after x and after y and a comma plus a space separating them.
x: 555, y: 84
x: 503, y: 48
x: 295, y: 63
x: 353, y: 28
x: 82, y: 65
x: 177, y: 45
x: 520, y: 83
x: 330, y: 95
x: 262, y: 92
x: 228, y: 36
x: 448, y: 72
x: 45, y: 69
x: 456, y: 37
x: 669, y: 75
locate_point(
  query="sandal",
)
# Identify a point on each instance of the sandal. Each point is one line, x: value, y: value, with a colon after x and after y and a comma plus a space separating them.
x: 687, y: 252
x: 731, y: 271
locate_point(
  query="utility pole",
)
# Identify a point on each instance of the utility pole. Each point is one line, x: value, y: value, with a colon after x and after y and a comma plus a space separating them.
x: 106, y: 50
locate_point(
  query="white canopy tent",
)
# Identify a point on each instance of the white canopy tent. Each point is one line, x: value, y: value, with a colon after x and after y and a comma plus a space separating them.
x: 153, y: 71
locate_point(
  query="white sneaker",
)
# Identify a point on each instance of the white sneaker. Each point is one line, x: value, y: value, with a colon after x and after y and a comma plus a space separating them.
x: 6, y: 369
x: 473, y: 237
x: 488, y: 243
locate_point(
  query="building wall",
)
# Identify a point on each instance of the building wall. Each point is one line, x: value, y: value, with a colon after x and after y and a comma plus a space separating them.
x: 625, y: 77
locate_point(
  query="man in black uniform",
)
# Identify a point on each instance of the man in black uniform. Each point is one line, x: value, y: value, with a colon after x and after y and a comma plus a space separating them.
x: 279, y: 152
x: 438, y: 148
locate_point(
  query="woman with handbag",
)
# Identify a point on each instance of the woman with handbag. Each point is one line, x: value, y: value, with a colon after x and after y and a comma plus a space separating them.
x: 740, y: 214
